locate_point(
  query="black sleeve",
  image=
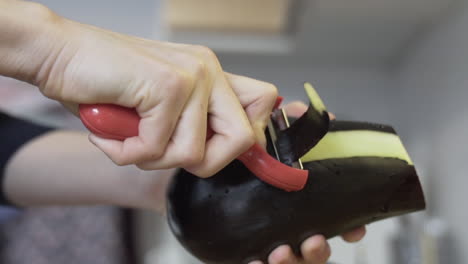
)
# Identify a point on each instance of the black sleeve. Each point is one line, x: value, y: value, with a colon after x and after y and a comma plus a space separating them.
x: 13, y: 134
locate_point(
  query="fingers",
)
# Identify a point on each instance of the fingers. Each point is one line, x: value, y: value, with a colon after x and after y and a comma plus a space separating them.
x: 187, y: 144
x: 213, y: 101
x: 233, y: 134
x: 283, y: 255
x: 158, y: 79
x: 155, y: 129
x: 296, y: 108
x: 258, y: 99
x: 180, y: 90
x: 315, y: 250
x: 355, y: 235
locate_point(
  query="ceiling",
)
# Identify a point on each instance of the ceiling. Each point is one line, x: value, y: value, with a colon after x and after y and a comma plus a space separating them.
x: 335, y: 31
x: 326, y: 31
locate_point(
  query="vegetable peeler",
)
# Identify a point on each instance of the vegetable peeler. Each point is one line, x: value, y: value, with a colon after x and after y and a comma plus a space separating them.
x: 118, y: 123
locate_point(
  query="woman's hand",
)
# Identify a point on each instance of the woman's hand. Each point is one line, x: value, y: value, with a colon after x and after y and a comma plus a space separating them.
x: 176, y: 89
x: 315, y: 249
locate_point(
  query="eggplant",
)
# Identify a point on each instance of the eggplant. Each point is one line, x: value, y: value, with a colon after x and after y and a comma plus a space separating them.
x: 359, y: 173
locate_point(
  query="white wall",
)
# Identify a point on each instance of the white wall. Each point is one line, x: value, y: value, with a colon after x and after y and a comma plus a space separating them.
x: 351, y: 91
x: 129, y: 17
x: 432, y: 111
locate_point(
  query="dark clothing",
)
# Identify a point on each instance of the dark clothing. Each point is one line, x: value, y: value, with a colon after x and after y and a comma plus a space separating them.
x: 14, y: 133
x: 57, y: 235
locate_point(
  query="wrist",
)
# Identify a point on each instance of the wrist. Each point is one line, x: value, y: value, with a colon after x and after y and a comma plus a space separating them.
x: 30, y: 37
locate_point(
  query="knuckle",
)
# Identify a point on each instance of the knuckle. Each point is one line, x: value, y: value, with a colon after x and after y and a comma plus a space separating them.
x: 193, y: 65
x: 185, y: 83
x: 249, y: 137
x: 209, y: 59
x: 205, y: 52
x: 151, y: 152
x: 155, y: 153
x: 203, y: 170
x: 177, y: 79
x: 179, y: 85
x: 120, y: 161
x: 199, y: 69
x: 40, y: 10
x: 191, y: 158
x: 271, y: 91
x: 204, y: 174
x: 245, y: 138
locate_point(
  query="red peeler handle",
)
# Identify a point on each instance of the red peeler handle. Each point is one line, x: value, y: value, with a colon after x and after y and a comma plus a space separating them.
x: 118, y: 123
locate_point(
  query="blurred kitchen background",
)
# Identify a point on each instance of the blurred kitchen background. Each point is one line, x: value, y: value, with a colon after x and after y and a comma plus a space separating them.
x: 401, y: 62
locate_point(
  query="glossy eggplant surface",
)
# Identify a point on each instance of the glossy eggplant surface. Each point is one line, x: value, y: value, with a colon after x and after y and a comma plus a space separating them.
x: 359, y: 173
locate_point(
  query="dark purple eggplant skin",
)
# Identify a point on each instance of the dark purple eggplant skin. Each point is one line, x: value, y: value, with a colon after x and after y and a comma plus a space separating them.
x: 234, y: 218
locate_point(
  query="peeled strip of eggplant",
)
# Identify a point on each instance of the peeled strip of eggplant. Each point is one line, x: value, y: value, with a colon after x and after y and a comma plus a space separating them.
x: 358, y: 173
x: 306, y: 131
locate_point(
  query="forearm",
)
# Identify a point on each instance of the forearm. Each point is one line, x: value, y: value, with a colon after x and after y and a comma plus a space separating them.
x: 63, y: 168
x: 29, y: 38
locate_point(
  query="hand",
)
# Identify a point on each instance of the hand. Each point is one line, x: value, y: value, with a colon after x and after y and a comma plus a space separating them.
x: 315, y: 249
x: 176, y: 89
